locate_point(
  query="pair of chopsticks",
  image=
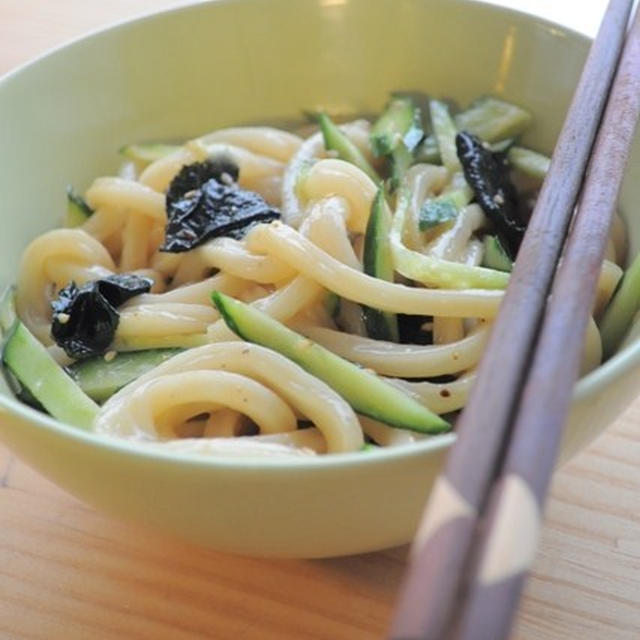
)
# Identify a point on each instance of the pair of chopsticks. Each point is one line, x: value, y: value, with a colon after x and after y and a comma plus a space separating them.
x: 478, y: 536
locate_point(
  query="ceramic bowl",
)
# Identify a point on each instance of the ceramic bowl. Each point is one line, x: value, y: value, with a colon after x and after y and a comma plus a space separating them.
x: 184, y: 72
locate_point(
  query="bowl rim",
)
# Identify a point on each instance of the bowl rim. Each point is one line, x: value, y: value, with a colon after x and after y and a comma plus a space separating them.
x: 603, y: 376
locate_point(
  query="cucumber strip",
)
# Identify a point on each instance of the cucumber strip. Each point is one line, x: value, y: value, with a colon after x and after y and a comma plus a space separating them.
x: 30, y: 362
x: 445, y: 132
x: 531, y: 163
x: 427, y: 150
x: 78, y: 211
x: 336, y: 140
x: 365, y: 391
x: 492, y: 119
x: 8, y: 320
x: 621, y: 310
x: 495, y: 257
x: 8, y: 315
x: 100, y: 378
x: 401, y: 160
x: 432, y: 271
x: 144, y: 154
x: 444, y: 208
x: 400, y: 122
x: 501, y: 145
x: 377, y: 262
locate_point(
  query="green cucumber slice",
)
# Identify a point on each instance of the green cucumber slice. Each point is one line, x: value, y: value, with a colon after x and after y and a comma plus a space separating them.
x: 619, y: 313
x: 400, y: 122
x: 366, y: 393
x: 336, y: 140
x: 495, y: 257
x: 100, y: 378
x: 529, y: 162
x: 377, y: 262
x: 30, y: 362
x: 78, y: 211
x: 445, y: 131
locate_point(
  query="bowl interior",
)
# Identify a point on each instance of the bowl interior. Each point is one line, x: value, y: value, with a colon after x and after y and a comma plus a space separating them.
x: 185, y: 72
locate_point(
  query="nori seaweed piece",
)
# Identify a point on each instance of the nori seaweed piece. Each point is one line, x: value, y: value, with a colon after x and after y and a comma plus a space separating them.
x: 411, y: 331
x: 488, y: 175
x: 192, y: 176
x: 201, y: 204
x: 85, y: 318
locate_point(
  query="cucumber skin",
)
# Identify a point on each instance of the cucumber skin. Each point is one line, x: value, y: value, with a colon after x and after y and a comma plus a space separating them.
x: 491, y: 119
x: 100, y: 379
x: 37, y: 371
x: 78, y: 211
x: 531, y: 163
x: 378, y: 262
x: 445, y: 132
x: 336, y: 140
x: 618, y: 316
x: 366, y: 393
x: 8, y: 315
x: 400, y: 122
x: 495, y: 257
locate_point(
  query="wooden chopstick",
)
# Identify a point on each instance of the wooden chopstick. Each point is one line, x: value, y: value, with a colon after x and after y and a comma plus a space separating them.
x: 508, y: 542
x: 443, y: 546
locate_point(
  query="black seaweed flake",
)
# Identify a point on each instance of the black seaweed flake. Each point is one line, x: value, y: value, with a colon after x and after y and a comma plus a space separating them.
x: 411, y: 331
x: 192, y: 176
x: 85, y: 318
x: 203, y: 203
x: 488, y: 175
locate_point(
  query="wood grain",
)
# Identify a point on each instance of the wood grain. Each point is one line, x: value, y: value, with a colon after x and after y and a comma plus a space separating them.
x: 69, y: 573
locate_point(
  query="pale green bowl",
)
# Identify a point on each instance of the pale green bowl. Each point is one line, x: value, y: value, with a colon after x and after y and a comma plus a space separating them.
x: 191, y: 70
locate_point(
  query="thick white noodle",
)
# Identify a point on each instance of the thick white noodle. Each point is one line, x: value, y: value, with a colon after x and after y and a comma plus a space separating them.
x: 439, y: 397
x: 340, y: 178
x: 386, y: 436
x: 290, y: 246
x: 610, y: 275
x: 403, y: 360
x: 312, y: 397
x: 120, y: 195
x: 310, y: 150
x: 265, y: 141
x: 169, y: 318
x: 424, y: 181
x: 232, y: 256
x: 246, y: 447
x: 197, y: 293
x: 256, y: 171
x: 51, y: 261
x: 452, y: 244
x: 326, y: 227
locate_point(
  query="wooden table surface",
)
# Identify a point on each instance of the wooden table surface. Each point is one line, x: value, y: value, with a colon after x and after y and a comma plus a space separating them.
x: 69, y: 573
